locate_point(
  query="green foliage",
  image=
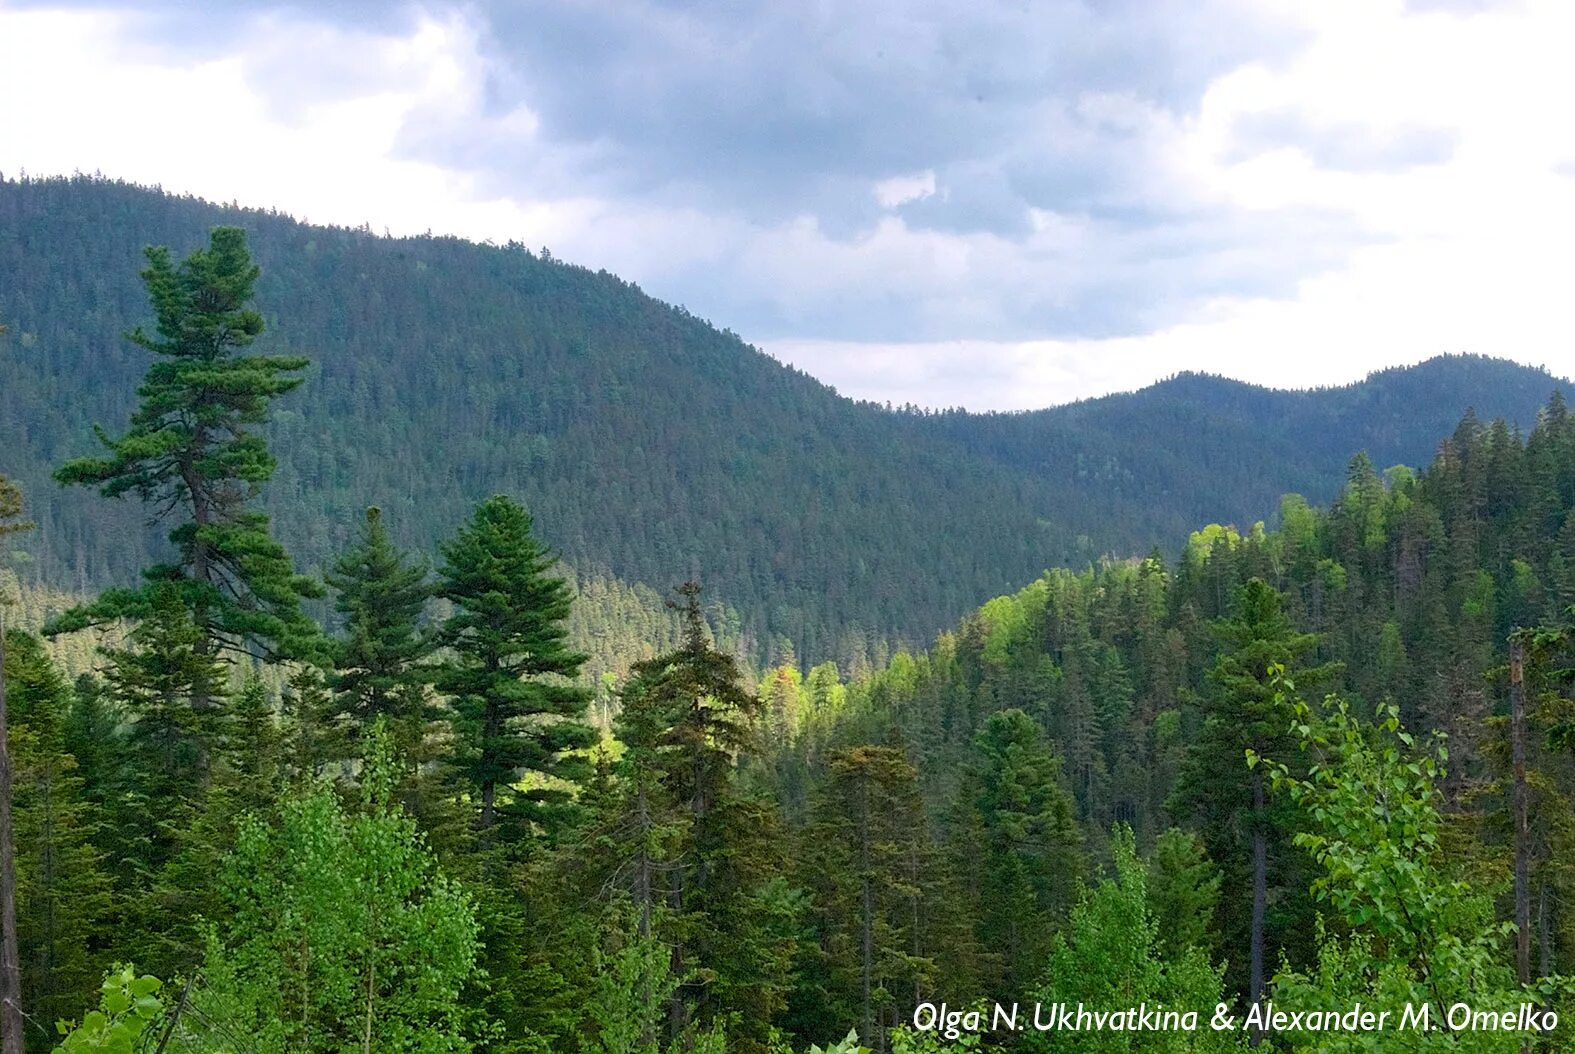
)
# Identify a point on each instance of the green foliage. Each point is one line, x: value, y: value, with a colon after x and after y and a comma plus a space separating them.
x: 337, y: 931
x: 1416, y: 932
x: 192, y: 453
x: 869, y: 865
x: 698, y: 843
x: 64, y: 902
x: 1111, y: 956
x: 380, y: 595
x: 169, y: 682
x: 128, y: 1005
x: 848, y: 1044
x: 1029, y: 853
x: 507, y: 674
x: 1183, y: 892
x: 627, y: 1003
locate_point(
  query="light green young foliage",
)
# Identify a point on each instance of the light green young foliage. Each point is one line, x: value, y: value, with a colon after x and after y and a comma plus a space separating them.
x: 339, y: 934
x: 905, y: 1040
x: 1110, y: 958
x: 128, y: 1004
x: 1417, y: 933
x: 1183, y: 891
x: 628, y: 1004
x: 848, y: 1044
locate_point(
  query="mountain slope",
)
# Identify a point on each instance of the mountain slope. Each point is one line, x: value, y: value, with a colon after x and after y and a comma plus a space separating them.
x: 650, y: 445
x: 1197, y: 449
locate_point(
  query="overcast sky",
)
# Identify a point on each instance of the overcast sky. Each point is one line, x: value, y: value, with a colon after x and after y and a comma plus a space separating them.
x: 995, y: 205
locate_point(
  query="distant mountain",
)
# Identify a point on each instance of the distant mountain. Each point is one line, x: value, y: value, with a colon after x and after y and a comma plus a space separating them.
x: 650, y: 445
x: 1198, y: 448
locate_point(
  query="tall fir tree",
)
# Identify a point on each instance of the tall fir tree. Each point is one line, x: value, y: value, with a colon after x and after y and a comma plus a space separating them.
x: 516, y: 710
x: 1028, y: 840
x: 730, y: 936
x: 869, y: 863
x: 1248, y: 712
x: 380, y: 596
x: 64, y: 898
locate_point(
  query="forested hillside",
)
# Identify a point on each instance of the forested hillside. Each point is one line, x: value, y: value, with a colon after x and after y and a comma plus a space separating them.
x: 1406, y: 590
x: 650, y: 445
x: 1189, y: 783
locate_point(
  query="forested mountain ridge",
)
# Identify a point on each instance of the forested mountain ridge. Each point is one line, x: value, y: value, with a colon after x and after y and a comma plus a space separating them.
x: 651, y: 445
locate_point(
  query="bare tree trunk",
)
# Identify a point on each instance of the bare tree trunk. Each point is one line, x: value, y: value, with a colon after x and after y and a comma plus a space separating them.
x: 1517, y: 734
x: 643, y: 894
x: 10, y: 958
x: 1544, y: 930
x: 867, y: 935
x: 1260, y: 894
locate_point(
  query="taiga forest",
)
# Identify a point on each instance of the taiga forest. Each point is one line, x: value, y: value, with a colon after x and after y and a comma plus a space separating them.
x: 420, y: 645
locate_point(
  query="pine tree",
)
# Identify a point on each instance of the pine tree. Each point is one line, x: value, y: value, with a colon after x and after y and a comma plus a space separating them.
x: 193, y: 455
x: 514, y: 708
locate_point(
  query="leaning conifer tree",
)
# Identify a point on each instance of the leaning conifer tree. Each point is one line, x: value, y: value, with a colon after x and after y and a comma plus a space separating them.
x: 193, y: 454
x: 508, y: 674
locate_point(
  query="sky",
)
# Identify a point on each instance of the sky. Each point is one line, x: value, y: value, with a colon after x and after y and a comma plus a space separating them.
x: 992, y: 205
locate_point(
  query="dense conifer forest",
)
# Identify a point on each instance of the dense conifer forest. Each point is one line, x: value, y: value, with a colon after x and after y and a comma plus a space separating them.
x: 369, y: 798
x: 650, y: 446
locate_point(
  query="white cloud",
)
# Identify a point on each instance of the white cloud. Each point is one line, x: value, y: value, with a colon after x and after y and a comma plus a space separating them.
x: 900, y: 190
x: 1395, y: 187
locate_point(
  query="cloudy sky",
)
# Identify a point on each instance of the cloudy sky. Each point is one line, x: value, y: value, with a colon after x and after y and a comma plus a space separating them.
x: 996, y: 205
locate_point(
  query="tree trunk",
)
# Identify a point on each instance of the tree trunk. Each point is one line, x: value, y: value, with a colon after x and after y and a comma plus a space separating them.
x: 677, y: 1012
x: 10, y: 959
x: 867, y: 928
x: 1260, y: 892
x: 1517, y: 735
x: 1544, y: 930
x: 488, y: 793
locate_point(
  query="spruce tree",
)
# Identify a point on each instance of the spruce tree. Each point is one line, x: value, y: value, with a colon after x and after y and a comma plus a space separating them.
x: 1248, y: 712
x: 515, y: 709
x: 868, y: 861
x: 696, y: 722
x: 63, y: 893
x: 1030, y: 843
x: 380, y: 596
x: 193, y: 454
x: 155, y: 681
